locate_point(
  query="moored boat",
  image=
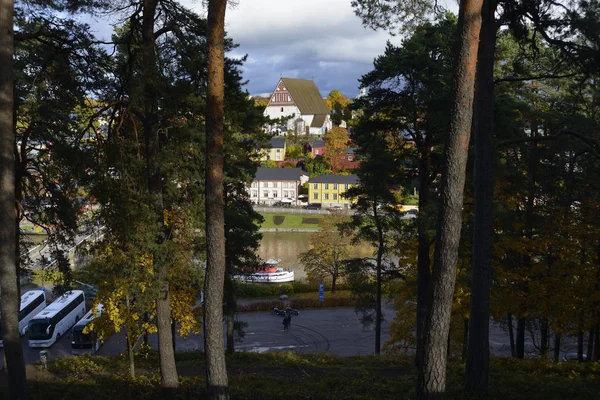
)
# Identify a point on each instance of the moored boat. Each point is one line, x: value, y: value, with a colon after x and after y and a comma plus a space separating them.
x: 268, y: 271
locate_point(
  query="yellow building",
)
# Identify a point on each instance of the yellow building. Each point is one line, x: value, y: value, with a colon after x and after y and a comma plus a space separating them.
x: 274, y: 150
x: 329, y: 190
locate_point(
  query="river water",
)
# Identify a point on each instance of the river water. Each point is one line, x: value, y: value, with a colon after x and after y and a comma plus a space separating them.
x: 287, y: 246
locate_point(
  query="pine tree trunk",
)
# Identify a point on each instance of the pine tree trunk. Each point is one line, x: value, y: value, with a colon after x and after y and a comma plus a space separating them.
x: 380, y: 249
x: 590, y: 346
x: 520, y: 338
x: 423, y: 260
x: 511, y: 336
x: 216, y: 370
x: 168, y: 369
x: 596, y: 353
x: 557, y: 347
x: 478, y: 354
x: 465, y: 344
x: 580, y: 346
x: 9, y: 283
x: 544, y: 337
x: 129, y: 342
x: 432, y: 373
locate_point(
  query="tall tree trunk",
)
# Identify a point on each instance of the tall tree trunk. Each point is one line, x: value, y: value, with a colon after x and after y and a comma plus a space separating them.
x: 511, y: 336
x: 520, y: 338
x: 9, y: 283
x: 380, y: 249
x: 596, y: 353
x: 423, y: 259
x: 590, y: 346
x: 129, y: 342
x: 465, y: 345
x: 216, y: 371
x: 432, y: 373
x: 478, y: 354
x: 557, y: 347
x: 580, y: 346
x: 168, y: 369
x: 544, y: 337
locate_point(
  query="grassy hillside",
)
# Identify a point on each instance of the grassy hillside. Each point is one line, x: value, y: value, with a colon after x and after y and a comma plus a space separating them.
x: 289, y: 375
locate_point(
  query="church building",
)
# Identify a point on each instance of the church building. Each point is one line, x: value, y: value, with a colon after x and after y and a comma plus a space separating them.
x: 299, y: 107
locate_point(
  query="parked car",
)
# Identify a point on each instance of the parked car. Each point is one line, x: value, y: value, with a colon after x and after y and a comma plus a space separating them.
x: 410, y: 214
x: 313, y: 206
x: 282, y: 204
x: 335, y: 208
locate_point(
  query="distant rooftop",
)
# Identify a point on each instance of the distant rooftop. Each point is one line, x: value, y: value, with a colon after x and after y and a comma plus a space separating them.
x: 279, y: 174
x: 331, y: 178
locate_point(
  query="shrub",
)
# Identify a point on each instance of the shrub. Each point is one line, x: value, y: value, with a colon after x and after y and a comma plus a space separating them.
x: 278, y: 219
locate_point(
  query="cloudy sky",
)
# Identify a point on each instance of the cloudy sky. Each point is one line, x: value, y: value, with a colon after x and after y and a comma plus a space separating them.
x: 320, y: 40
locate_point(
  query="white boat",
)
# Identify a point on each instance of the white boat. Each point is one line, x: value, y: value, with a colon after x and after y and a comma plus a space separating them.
x: 267, y: 272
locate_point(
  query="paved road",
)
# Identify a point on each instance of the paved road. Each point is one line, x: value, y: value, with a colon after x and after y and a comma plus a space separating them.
x: 334, y: 330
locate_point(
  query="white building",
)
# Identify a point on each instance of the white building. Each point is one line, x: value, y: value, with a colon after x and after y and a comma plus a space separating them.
x: 299, y: 102
x: 271, y: 185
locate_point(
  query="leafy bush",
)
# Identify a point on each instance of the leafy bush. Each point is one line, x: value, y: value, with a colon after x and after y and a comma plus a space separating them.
x: 278, y: 219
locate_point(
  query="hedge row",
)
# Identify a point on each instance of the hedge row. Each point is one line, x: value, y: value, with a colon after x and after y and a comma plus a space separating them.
x: 262, y: 290
x: 299, y: 304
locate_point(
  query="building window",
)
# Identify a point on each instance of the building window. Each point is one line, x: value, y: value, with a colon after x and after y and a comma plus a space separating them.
x: 335, y: 196
x: 281, y: 109
x: 315, y: 185
x: 254, y: 193
x: 326, y: 196
x: 349, y: 158
x: 265, y: 194
x: 253, y: 184
x: 346, y: 186
x: 279, y: 150
x: 335, y: 186
x: 285, y: 193
x: 316, y: 196
x: 326, y: 186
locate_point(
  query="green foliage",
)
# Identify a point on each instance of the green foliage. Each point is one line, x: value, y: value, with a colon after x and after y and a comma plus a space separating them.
x: 293, y: 151
x: 317, y: 376
x: 316, y: 166
x: 269, y: 164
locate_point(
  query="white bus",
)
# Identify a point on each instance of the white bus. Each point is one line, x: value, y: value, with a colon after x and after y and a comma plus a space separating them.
x: 86, y: 343
x: 32, y: 303
x: 56, y: 319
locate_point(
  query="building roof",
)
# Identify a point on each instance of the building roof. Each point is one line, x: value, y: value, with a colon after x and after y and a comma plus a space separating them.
x: 306, y: 96
x: 318, y: 120
x: 331, y: 178
x: 275, y: 143
x: 317, y: 143
x: 278, y: 174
